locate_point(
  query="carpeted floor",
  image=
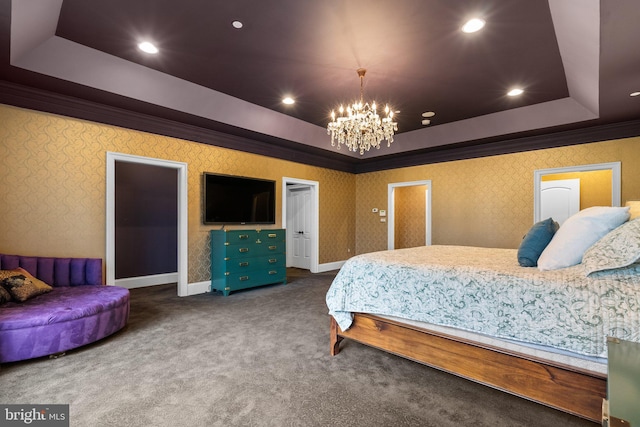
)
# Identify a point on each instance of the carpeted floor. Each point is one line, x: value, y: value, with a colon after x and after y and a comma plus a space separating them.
x: 256, y: 358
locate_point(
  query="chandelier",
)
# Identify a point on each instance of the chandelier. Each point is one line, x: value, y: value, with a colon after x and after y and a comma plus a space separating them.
x: 361, y: 128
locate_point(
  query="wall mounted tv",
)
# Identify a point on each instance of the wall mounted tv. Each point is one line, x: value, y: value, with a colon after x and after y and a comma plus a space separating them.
x: 238, y: 200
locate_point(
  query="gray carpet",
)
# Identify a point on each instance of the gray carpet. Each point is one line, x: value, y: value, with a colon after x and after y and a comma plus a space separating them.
x: 256, y: 358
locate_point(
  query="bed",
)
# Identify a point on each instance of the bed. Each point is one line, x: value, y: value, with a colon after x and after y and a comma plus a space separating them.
x: 476, y: 313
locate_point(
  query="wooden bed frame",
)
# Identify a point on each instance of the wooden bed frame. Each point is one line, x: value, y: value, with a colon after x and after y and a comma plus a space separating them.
x: 578, y: 392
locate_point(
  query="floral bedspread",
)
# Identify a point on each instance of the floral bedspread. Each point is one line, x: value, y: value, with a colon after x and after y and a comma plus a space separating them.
x: 484, y: 290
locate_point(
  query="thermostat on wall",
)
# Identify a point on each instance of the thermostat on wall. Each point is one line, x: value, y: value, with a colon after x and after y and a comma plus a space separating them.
x: 383, y: 212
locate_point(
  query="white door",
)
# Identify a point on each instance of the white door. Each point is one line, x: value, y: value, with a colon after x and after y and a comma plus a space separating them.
x: 559, y: 199
x: 299, y: 226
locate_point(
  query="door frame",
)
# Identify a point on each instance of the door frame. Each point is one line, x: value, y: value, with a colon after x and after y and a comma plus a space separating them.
x: 182, y: 202
x: 615, y: 182
x: 291, y: 188
x: 315, y: 205
x: 391, y: 208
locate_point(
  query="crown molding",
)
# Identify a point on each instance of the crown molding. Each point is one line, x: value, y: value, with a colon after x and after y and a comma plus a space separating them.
x: 45, y: 101
x: 476, y: 149
x: 50, y: 102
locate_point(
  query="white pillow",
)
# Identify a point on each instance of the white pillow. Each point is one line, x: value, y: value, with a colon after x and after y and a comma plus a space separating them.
x: 578, y: 233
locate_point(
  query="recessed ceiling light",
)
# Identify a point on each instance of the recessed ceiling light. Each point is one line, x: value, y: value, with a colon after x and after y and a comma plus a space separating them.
x: 515, y: 92
x: 237, y: 24
x: 473, y: 25
x: 148, y: 47
x: 634, y: 94
x: 428, y: 114
x: 288, y: 100
x: 426, y: 122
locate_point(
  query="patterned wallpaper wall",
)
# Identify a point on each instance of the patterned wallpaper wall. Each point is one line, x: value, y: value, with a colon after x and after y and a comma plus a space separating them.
x: 486, y: 201
x: 53, y: 182
x: 52, y: 176
x: 409, y: 216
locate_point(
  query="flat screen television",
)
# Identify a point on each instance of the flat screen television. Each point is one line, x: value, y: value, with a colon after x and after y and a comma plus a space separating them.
x: 238, y: 200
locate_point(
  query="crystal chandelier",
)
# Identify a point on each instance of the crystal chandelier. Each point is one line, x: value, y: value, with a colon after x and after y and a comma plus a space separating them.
x: 361, y: 128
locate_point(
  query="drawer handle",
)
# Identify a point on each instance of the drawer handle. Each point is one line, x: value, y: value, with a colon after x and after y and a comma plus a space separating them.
x: 244, y: 278
x: 272, y: 235
x: 243, y: 236
x: 273, y: 272
x: 243, y: 249
x: 273, y: 261
x: 273, y: 248
x: 243, y: 264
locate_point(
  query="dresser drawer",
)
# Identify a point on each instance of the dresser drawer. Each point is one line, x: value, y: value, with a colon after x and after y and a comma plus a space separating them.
x: 233, y: 237
x: 259, y: 263
x: 252, y: 250
x: 240, y: 280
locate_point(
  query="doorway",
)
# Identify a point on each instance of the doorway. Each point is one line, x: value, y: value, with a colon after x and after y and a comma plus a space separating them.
x: 604, y: 191
x: 299, y: 226
x: 179, y: 276
x: 422, y: 215
x: 300, y: 202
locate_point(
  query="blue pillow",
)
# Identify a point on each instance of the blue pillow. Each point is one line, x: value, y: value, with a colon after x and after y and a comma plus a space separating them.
x: 534, y: 242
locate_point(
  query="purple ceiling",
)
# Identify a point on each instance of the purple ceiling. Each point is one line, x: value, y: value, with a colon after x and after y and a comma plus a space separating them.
x: 572, y: 57
x: 416, y: 56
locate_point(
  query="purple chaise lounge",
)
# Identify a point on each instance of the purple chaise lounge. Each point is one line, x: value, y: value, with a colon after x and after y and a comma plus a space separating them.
x: 78, y: 311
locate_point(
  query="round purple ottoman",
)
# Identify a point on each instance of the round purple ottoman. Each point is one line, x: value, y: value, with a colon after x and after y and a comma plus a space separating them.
x: 65, y: 318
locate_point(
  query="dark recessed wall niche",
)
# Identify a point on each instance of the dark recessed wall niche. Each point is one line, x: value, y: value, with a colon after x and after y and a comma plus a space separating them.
x: 146, y: 220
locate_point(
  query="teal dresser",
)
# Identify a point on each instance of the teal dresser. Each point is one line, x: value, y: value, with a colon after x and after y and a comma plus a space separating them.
x: 242, y: 259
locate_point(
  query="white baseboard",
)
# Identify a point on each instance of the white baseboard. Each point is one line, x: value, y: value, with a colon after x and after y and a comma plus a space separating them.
x: 139, y: 282
x: 199, y: 288
x: 204, y: 287
x: 330, y: 266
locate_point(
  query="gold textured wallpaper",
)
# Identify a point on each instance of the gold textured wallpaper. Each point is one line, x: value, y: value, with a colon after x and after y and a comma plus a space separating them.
x: 53, y: 183
x: 486, y: 201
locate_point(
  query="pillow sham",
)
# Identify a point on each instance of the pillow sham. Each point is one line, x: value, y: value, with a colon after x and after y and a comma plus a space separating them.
x: 36, y: 286
x: 4, y: 295
x: 578, y: 233
x: 534, y: 242
x: 19, y: 270
x: 21, y: 288
x: 620, y: 248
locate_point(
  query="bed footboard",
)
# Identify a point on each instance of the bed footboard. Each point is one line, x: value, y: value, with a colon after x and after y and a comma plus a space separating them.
x: 562, y: 387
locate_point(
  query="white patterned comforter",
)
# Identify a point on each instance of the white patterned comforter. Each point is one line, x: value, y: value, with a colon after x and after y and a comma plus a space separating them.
x: 485, y: 290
